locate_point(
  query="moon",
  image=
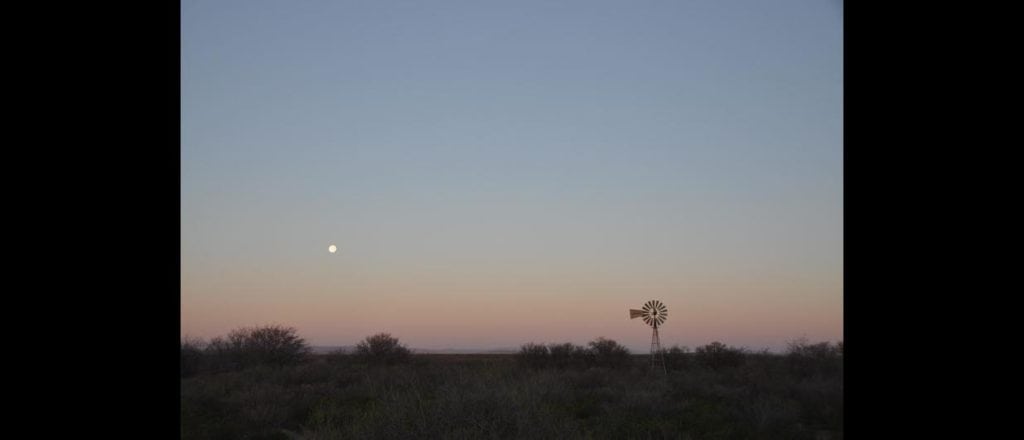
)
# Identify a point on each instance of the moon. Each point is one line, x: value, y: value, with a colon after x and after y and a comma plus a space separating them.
x: 332, y: 248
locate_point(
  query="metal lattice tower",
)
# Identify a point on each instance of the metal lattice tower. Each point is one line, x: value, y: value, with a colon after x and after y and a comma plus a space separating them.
x: 653, y: 313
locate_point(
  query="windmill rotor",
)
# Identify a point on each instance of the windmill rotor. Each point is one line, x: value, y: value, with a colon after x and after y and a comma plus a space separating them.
x: 654, y: 313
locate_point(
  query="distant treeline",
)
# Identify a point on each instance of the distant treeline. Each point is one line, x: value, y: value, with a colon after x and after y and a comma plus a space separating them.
x: 276, y: 346
x: 801, y: 354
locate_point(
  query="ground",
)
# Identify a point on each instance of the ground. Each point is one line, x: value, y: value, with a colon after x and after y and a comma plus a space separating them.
x: 497, y: 396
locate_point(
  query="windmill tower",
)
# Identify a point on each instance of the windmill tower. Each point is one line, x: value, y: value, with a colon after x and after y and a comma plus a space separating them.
x: 653, y: 313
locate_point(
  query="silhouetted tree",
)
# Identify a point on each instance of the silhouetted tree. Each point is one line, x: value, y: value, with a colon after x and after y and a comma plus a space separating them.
x: 533, y: 355
x: 564, y: 355
x: 382, y: 348
x: 806, y: 358
x: 718, y: 355
x: 220, y: 356
x: 191, y: 356
x: 608, y: 353
x: 270, y: 345
x: 677, y: 357
x: 245, y: 347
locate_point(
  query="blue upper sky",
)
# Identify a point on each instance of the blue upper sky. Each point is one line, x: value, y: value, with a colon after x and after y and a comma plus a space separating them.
x: 651, y: 138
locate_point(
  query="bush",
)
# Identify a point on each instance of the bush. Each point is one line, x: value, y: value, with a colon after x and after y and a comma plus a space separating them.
x: 382, y: 348
x: 717, y: 355
x: 677, y: 357
x: 608, y: 353
x: 601, y: 353
x: 219, y: 356
x: 534, y: 355
x: 191, y: 356
x: 566, y: 354
x: 806, y: 358
x: 271, y: 345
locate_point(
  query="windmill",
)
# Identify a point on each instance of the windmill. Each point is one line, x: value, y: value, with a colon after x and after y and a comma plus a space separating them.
x: 653, y: 313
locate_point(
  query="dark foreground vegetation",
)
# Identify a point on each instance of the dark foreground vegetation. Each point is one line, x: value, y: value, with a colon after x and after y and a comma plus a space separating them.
x: 263, y: 383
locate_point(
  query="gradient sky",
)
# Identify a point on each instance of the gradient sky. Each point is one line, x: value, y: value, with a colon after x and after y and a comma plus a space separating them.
x: 496, y: 173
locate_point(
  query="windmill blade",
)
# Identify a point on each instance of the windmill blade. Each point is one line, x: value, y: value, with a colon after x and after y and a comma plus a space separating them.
x: 634, y: 313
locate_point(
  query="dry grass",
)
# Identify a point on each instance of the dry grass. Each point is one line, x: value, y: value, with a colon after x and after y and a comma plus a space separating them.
x: 494, y: 396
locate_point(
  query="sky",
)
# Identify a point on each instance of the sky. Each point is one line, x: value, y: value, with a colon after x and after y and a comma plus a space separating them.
x: 496, y: 173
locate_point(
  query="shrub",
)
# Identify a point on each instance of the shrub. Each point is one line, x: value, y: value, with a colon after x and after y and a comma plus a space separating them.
x: 533, y: 355
x: 565, y: 355
x: 601, y: 353
x: 821, y: 350
x: 191, y: 356
x: 806, y: 358
x: 717, y: 355
x: 382, y: 348
x: 581, y: 356
x: 271, y: 345
x: 677, y: 357
x: 220, y: 356
x: 608, y: 353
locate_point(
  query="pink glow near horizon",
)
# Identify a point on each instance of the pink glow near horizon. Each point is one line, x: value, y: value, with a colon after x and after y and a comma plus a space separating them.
x: 445, y: 316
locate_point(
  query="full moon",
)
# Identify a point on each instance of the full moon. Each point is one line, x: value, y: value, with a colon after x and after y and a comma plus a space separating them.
x: 332, y: 248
